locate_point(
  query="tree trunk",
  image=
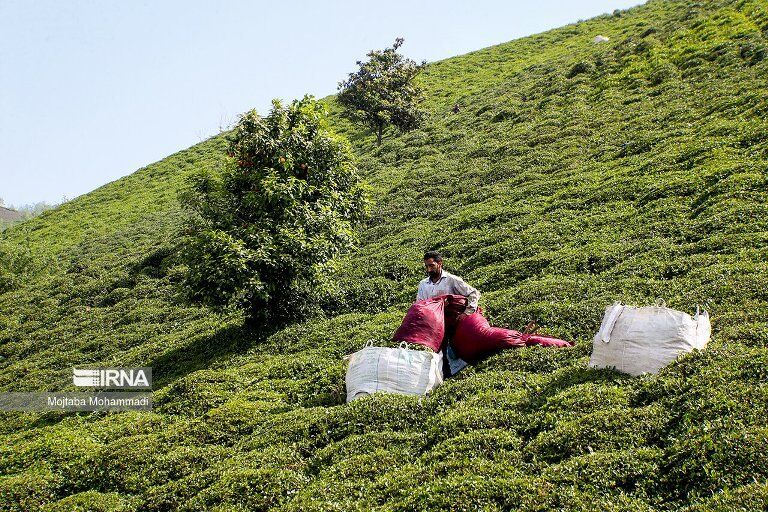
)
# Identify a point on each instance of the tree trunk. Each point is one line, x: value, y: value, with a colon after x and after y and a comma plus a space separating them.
x: 378, y: 135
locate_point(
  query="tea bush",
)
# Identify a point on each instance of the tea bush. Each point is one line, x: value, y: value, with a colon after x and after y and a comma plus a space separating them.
x: 93, y: 501
x: 640, y: 177
x: 748, y: 497
x: 728, y: 455
x: 248, y: 489
x: 621, y: 471
x: 612, y: 428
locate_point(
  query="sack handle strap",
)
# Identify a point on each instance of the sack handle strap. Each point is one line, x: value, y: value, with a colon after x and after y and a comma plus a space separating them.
x: 610, y: 321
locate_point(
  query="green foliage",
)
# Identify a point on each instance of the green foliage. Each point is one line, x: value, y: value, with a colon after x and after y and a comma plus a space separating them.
x: 93, y: 501
x: 617, y: 471
x: 610, y: 428
x: 29, y: 490
x: 729, y: 455
x: 641, y: 177
x: 249, y: 489
x: 383, y: 91
x: 262, y: 236
x: 17, y: 263
x: 747, y: 497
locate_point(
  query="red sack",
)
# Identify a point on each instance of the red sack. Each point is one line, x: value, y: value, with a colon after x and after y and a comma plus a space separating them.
x: 476, y: 339
x: 454, y: 306
x: 544, y: 341
x: 424, y: 324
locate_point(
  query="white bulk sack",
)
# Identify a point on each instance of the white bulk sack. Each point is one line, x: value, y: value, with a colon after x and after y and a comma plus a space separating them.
x: 393, y: 370
x: 643, y: 340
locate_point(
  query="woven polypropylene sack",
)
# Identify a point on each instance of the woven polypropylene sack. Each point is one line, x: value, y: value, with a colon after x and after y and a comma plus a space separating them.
x: 393, y: 370
x: 475, y: 339
x: 637, y: 340
x: 424, y: 324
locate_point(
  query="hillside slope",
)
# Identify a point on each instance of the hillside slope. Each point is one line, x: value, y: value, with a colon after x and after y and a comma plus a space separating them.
x: 574, y: 174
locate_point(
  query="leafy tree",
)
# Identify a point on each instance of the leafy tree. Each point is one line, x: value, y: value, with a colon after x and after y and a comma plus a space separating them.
x: 383, y: 91
x: 261, y: 237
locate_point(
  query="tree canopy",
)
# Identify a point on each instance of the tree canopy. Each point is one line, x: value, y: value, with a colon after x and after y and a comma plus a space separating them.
x: 260, y: 237
x: 383, y: 91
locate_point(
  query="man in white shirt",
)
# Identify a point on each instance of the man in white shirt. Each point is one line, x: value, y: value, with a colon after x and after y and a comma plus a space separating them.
x: 442, y: 282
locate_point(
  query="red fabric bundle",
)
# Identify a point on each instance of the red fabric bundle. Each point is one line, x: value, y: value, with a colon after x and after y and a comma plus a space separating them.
x: 476, y: 339
x: 454, y: 306
x: 424, y: 324
x: 544, y: 341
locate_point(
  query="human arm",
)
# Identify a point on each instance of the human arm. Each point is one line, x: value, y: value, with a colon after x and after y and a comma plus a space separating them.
x: 470, y: 292
x: 421, y: 294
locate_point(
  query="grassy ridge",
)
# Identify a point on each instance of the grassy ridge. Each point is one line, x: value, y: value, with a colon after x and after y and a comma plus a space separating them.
x: 574, y: 175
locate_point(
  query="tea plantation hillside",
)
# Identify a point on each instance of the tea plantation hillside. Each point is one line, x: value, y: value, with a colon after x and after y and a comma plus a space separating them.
x: 574, y: 174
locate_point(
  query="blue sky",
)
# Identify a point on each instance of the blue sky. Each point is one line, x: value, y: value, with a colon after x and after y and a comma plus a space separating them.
x: 92, y: 90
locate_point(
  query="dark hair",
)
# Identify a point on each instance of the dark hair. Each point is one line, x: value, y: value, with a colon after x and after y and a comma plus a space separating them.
x: 433, y: 255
